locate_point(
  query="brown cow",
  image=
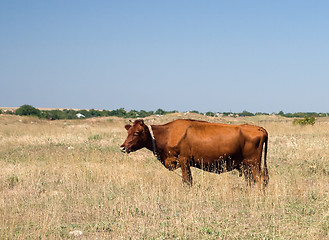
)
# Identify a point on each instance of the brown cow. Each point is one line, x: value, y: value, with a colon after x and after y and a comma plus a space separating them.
x: 213, y: 147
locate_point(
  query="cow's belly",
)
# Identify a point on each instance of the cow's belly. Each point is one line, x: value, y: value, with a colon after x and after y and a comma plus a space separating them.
x: 214, y: 151
x: 220, y: 163
x: 216, y: 158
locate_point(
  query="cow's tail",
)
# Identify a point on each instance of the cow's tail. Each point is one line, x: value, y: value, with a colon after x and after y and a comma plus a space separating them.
x: 265, y: 177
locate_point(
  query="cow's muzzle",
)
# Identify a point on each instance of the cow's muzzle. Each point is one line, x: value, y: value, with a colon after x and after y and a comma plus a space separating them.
x: 124, y: 150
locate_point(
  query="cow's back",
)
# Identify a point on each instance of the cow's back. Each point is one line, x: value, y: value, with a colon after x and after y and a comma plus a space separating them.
x: 169, y: 135
x: 210, y: 141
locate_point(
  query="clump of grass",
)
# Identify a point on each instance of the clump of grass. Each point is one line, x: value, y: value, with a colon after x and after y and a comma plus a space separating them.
x: 305, y: 121
x: 95, y: 137
x: 12, y: 181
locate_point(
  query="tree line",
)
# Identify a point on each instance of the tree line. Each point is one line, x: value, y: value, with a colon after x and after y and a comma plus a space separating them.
x: 28, y: 110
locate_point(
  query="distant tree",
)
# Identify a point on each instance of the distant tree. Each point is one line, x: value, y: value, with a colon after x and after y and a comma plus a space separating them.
x: 194, y: 111
x: 246, y: 114
x: 160, y: 112
x: 150, y: 113
x: 289, y: 115
x: 70, y: 114
x: 261, y: 113
x: 210, y: 114
x: 85, y: 113
x: 28, y: 110
x: 299, y: 114
x: 227, y: 113
x: 143, y: 114
x: 104, y: 113
x: 121, y: 112
x: 173, y: 111
x: 95, y: 113
x: 133, y: 114
x: 56, y: 114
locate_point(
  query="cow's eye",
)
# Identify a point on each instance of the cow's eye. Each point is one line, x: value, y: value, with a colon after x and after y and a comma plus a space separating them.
x: 137, y: 133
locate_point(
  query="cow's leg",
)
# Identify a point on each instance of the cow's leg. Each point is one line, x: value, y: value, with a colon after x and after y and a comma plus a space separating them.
x: 171, y: 163
x: 255, y: 166
x: 186, y: 170
x: 256, y: 172
x: 248, y: 176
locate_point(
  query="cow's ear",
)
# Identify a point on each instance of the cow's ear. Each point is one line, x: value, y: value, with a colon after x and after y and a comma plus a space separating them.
x: 127, y: 127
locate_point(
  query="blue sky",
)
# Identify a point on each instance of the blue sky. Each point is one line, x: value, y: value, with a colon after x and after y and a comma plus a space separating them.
x: 260, y: 56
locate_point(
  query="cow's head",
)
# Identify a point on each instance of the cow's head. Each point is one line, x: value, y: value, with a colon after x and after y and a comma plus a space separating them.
x: 138, y: 137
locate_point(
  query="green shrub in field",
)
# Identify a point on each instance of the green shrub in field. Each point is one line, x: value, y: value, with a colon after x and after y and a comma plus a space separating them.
x: 28, y: 110
x: 305, y: 121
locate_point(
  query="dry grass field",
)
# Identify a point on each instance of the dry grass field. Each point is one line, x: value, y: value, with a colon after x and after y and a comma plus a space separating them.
x: 57, y: 177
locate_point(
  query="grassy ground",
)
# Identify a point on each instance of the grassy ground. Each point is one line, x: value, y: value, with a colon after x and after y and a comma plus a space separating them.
x: 61, y: 176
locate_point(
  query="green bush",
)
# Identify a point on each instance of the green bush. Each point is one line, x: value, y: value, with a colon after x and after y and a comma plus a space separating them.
x: 305, y: 121
x: 160, y: 112
x: 28, y: 110
x: 246, y: 114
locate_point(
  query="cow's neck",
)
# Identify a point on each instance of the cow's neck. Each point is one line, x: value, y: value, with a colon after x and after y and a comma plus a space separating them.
x: 151, y: 144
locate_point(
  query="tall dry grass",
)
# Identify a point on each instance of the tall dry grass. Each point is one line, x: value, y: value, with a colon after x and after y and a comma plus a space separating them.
x: 61, y: 176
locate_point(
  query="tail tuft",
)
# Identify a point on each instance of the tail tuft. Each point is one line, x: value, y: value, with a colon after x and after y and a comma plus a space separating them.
x: 265, y: 178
